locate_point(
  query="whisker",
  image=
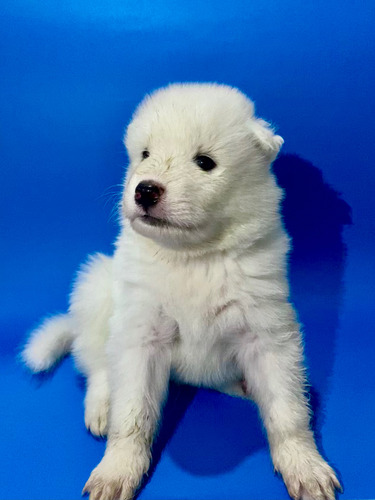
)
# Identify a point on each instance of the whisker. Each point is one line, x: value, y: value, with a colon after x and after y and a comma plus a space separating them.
x: 115, y: 215
x: 117, y: 188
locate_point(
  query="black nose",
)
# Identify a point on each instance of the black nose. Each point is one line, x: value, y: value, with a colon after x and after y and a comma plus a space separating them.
x: 148, y: 193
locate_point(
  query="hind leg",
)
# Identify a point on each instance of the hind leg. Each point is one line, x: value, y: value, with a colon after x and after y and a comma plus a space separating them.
x: 97, y: 403
x: 92, y: 362
x: 91, y: 306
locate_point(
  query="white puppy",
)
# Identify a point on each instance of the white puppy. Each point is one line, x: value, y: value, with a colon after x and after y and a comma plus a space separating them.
x: 196, y: 291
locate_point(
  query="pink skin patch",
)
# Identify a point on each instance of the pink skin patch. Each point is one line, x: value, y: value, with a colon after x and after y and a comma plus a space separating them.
x: 244, y: 387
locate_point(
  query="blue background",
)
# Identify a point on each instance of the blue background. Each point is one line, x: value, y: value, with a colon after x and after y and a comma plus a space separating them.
x: 72, y: 72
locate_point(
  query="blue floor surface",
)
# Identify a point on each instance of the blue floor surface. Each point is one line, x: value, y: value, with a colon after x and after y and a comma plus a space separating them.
x: 72, y: 73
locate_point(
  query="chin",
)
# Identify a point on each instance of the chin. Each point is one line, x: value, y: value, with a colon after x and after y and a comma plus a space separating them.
x: 168, y: 234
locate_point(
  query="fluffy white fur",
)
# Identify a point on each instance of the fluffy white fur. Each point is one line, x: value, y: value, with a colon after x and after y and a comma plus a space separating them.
x: 198, y: 293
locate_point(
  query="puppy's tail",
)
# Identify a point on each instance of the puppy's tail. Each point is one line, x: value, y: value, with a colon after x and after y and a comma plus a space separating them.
x: 48, y: 343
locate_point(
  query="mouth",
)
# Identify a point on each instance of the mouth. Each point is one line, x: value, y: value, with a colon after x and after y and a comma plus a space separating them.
x: 141, y: 222
x: 154, y: 221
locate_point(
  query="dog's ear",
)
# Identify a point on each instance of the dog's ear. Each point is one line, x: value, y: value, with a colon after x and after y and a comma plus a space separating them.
x: 264, y: 137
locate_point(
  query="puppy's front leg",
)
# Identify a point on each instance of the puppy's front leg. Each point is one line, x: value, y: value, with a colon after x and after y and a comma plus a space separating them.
x: 271, y: 359
x: 139, y: 355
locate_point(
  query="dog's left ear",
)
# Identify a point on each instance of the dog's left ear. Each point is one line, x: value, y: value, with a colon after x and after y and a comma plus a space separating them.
x: 264, y: 138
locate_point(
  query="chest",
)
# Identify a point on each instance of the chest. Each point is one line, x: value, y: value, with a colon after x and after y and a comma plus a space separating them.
x: 207, y: 301
x: 207, y: 304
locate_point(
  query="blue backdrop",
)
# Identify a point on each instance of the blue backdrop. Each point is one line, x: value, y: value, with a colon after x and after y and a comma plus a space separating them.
x: 72, y: 72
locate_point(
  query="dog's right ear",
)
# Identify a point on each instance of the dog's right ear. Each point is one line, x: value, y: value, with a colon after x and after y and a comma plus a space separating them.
x: 264, y: 138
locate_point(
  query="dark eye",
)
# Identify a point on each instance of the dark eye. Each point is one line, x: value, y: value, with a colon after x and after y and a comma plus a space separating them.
x: 205, y: 162
x: 145, y: 154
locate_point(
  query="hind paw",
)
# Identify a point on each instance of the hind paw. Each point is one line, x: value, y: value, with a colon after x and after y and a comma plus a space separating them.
x: 97, y: 405
x: 96, y: 415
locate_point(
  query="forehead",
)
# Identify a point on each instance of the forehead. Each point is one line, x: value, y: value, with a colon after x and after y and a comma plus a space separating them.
x: 189, y: 117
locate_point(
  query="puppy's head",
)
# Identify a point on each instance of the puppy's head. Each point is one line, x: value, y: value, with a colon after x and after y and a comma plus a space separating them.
x: 199, y: 167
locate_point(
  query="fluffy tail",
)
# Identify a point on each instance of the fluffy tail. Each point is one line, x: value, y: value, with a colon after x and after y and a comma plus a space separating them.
x: 48, y: 343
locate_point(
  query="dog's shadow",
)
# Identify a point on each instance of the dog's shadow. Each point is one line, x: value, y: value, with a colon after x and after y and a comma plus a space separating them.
x: 218, y: 432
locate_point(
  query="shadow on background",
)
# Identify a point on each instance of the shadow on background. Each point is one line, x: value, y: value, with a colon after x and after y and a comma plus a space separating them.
x: 218, y: 432
x: 315, y: 217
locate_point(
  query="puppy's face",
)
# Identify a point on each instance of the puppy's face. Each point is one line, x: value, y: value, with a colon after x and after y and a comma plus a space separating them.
x: 196, y: 155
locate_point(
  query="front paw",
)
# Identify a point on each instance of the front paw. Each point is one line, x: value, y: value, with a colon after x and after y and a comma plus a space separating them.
x: 117, y: 477
x: 306, y: 475
x: 105, y: 488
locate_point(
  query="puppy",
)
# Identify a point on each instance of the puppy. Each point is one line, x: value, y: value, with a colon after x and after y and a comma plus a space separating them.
x: 196, y: 291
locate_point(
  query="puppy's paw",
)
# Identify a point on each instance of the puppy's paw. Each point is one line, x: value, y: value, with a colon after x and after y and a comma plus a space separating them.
x: 306, y: 475
x: 96, y: 415
x: 118, y: 475
x: 312, y: 481
x: 101, y: 488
